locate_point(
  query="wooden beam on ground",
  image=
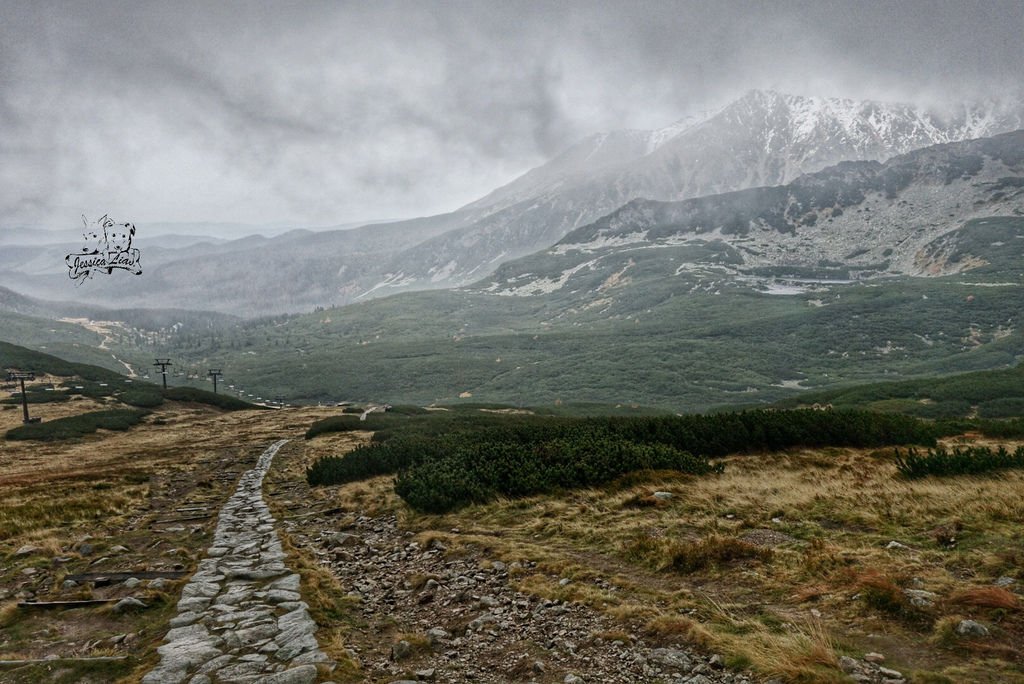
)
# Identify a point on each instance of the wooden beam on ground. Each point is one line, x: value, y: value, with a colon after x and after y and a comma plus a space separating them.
x: 122, y: 576
x: 177, y: 520
x: 46, y: 661
x: 82, y: 603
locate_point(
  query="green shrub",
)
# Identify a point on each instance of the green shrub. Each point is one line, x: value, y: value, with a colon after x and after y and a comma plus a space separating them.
x: 1005, y: 429
x: 78, y: 426
x: 767, y: 430
x: 479, y: 472
x: 38, y: 397
x: 971, y: 460
x: 377, y: 459
x: 1006, y: 407
x: 444, y: 461
x: 221, y: 401
x: 148, y: 397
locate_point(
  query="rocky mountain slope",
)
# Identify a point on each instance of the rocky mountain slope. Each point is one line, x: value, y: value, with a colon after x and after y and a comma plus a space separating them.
x: 854, y: 220
x: 762, y: 139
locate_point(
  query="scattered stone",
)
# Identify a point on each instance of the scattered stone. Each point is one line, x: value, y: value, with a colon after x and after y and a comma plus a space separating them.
x: 971, y: 628
x: 128, y: 603
x: 672, y: 658
x: 342, y: 539
x: 921, y: 598
x: 663, y: 496
x: 26, y: 550
x: 564, y: 581
x: 401, y: 650
x: 573, y: 679
x: 85, y: 549
x: 132, y: 582
x: 1004, y: 582
x: 874, y: 657
x: 848, y: 664
x: 436, y: 635
x: 427, y: 675
x: 119, y: 549
x: 896, y: 545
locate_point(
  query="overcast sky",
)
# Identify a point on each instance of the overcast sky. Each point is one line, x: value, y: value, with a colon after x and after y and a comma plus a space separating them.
x: 324, y: 113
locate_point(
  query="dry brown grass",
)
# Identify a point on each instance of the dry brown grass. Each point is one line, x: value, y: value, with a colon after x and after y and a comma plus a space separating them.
x: 676, y: 629
x: 986, y: 597
x: 801, y: 654
x: 840, y: 506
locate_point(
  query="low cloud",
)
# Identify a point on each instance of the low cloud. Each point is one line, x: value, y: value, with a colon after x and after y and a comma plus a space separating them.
x: 337, y: 112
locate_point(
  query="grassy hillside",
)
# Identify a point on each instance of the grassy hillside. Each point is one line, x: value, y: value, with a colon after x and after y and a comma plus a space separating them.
x: 25, y: 359
x: 94, y: 382
x: 655, y: 343
x: 632, y: 330
x: 62, y: 339
x: 988, y: 394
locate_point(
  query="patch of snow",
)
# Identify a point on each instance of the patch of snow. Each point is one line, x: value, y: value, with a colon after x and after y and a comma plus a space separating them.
x: 392, y: 280
x: 782, y: 289
x: 601, y: 242
x: 443, y: 273
x: 544, y: 285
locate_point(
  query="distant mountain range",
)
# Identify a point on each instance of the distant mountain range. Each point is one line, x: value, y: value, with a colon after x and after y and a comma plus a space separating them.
x: 854, y: 220
x: 762, y: 139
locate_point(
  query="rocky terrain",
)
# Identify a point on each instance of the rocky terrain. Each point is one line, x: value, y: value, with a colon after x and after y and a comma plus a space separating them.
x: 851, y: 220
x: 462, y: 620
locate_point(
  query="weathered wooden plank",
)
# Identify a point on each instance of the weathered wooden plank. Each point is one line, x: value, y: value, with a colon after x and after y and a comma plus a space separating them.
x: 81, y: 603
x: 176, y: 520
x: 122, y: 576
x: 39, y: 661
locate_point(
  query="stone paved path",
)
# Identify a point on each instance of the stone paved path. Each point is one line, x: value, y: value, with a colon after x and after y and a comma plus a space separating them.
x: 240, y: 617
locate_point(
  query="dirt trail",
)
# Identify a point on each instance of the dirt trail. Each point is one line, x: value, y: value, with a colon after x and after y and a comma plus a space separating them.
x: 102, y: 328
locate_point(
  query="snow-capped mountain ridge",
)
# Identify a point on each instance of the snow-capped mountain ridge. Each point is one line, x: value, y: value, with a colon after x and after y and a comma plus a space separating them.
x: 764, y: 138
x: 810, y: 132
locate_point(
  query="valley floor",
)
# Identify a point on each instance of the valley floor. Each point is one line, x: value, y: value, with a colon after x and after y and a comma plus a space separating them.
x: 608, y: 585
